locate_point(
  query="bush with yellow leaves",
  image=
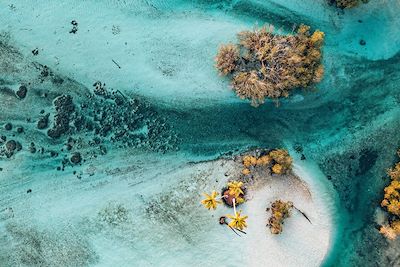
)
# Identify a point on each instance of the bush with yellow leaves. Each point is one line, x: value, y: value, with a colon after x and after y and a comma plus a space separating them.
x: 267, y: 65
x: 278, y: 159
x: 280, y: 210
x: 391, y: 202
x: 282, y: 161
x: 391, y: 231
x: 394, y: 172
x: 251, y: 162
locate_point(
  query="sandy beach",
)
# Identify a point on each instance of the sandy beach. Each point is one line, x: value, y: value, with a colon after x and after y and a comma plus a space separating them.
x: 301, y: 243
x: 109, y: 202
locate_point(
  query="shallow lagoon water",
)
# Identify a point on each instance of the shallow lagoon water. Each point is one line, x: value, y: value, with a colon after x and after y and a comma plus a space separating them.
x: 164, y: 49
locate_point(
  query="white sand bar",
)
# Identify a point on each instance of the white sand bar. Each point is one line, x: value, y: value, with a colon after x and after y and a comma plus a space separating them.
x: 141, y: 210
x: 301, y: 243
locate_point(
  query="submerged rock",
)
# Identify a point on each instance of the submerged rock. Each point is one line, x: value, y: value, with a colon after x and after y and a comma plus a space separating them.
x: 8, y: 126
x: 64, y: 107
x: 76, y: 158
x: 11, y: 145
x: 22, y: 91
x: 32, y: 148
x: 18, y: 146
x: 43, y: 122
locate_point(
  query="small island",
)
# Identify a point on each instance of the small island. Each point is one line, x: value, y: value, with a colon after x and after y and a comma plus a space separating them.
x: 265, y: 64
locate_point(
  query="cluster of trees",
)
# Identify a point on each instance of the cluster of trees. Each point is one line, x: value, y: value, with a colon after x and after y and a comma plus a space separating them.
x: 267, y: 65
x: 233, y: 195
x: 278, y: 160
x: 391, y: 203
x: 391, y: 231
x: 280, y: 210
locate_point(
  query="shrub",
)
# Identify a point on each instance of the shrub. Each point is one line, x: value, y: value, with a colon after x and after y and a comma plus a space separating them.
x: 282, y: 161
x: 280, y: 210
x: 277, y: 168
x: 246, y: 171
x: 226, y: 59
x: 391, y: 200
x: 391, y: 231
x: 394, y: 172
x: 278, y: 160
x: 249, y: 161
x: 267, y: 65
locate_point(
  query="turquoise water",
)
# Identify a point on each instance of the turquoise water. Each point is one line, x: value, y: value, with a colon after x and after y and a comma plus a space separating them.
x: 160, y: 53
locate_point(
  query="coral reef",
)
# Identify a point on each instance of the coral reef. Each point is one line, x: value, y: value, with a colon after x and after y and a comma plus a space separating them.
x: 63, y: 123
x: 95, y: 120
x: 9, y: 148
x: 112, y: 116
x: 267, y: 65
x: 280, y: 210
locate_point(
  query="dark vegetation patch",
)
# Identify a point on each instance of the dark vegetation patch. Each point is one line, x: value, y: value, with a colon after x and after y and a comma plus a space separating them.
x: 343, y: 4
x: 366, y: 161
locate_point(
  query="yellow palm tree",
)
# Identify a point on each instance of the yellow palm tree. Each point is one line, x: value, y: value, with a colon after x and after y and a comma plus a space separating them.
x: 211, y: 202
x: 237, y: 221
x: 235, y: 188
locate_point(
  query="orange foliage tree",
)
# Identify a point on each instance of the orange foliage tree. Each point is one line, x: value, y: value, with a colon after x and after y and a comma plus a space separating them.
x: 267, y: 65
x: 226, y: 59
x: 278, y: 160
x: 391, y: 202
x: 280, y: 210
x: 282, y: 161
